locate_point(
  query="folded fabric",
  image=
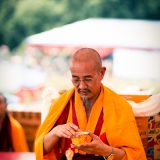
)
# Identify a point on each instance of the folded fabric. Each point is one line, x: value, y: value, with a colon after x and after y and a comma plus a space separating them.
x: 148, y: 107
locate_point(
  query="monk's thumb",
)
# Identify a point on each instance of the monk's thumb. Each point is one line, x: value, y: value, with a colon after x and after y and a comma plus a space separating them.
x: 92, y: 135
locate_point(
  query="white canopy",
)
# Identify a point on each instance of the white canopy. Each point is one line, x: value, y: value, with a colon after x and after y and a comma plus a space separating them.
x: 101, y: 33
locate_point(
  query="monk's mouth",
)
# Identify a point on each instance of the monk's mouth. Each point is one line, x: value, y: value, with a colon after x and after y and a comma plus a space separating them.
x: 85, y: 91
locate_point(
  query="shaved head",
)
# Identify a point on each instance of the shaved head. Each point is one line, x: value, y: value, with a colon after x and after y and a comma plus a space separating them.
x: 87, y: 73
x: 86, y: 55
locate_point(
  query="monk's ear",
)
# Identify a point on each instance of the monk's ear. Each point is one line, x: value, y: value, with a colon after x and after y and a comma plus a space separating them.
x: 103, y: 70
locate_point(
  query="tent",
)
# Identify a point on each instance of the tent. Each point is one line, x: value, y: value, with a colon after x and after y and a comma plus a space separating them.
x: 135, y: 43
x: 102, y: 34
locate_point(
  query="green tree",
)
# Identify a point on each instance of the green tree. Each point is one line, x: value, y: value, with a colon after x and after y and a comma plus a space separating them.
x: 31, y: 17
x: 7, y: 9
x: 21, y: 18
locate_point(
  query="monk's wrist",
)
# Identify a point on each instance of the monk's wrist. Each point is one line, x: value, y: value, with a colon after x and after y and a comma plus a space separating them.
x: 112, y: 153
x: 54, y: 133
x: 109, y: 150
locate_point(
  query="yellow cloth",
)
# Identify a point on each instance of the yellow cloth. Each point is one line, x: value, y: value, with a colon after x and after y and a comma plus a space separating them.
x: 119, y: 123
x: 18, y: 136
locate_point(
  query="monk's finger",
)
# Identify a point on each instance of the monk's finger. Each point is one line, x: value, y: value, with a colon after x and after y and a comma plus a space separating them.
x: 67, y: 134
x: 73, y: 126
x: 70, y: 130
x: 93, y: 136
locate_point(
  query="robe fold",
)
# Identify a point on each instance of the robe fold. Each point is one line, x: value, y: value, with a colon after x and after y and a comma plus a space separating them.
x: 118, y: 129
x: 18, y: 136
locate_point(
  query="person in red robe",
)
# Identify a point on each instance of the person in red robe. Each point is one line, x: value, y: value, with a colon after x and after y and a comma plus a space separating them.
x: 12, y: 136
x: 92, y: 108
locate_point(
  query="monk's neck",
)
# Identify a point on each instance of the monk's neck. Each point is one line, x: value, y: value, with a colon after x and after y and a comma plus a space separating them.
x: 88, y: 104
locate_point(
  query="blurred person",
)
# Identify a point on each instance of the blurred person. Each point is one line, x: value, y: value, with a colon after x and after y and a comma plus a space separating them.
x: 12, y: 137
x: 89, y: 106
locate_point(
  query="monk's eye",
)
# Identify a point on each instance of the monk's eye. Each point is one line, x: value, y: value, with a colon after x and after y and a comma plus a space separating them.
x: 75, y: 80
x: 87, y: 80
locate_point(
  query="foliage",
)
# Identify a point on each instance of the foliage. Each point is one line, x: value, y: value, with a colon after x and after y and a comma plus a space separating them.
x: 19, y: 19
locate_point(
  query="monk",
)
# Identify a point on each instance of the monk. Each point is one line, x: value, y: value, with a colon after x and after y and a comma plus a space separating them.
x: 12, y: 137
x: 92, y: 108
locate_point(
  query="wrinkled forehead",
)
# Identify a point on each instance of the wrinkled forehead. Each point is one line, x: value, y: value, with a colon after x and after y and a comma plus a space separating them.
x: 83, y: 69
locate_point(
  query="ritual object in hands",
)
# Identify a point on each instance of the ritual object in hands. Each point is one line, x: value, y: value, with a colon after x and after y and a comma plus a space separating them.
x: 80, y: 138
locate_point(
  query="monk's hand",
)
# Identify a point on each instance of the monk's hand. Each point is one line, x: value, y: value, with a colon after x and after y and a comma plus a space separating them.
x: 65, y: 130
x: 96, y: 146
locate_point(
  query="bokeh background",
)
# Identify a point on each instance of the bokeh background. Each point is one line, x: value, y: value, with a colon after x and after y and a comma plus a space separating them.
x: 38, y: 37
x: 28, y: 66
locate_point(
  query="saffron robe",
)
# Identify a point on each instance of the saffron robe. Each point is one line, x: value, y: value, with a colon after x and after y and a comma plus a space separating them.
x: 119, y: 123
x: 18, y: 136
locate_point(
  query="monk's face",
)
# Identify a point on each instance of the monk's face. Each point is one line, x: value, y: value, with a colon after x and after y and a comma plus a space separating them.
x: 3, y: 106
x: 86, y: 78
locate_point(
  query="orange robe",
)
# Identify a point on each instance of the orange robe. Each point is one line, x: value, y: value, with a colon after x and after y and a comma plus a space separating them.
x: 18, y: 136
x: 119, y: 123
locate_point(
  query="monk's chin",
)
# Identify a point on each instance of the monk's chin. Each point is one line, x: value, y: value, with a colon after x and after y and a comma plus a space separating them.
x: 84, y: 97
x: 85, y: 100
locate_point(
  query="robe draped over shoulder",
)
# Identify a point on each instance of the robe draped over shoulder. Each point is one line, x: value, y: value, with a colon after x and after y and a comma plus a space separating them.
x: 18, y: 136
x: 119, y: 123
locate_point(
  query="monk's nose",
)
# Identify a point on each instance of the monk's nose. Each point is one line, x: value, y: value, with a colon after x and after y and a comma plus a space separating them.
x: 82, y: 84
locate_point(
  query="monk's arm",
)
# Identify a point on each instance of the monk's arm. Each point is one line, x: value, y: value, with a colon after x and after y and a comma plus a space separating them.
x: 49, y: 141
